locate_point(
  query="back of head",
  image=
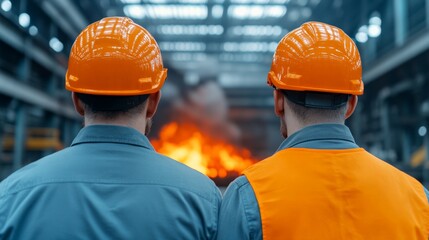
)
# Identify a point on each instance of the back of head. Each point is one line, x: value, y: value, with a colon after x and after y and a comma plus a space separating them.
x: 113, y: 64
x: 317, y: 66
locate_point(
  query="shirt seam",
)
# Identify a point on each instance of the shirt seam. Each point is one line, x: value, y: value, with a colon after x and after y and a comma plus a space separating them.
x: 303, y: 136
x: 95, y: 182
x: 112, y: 142
x: 346, y: 150
x: 319, y: 139
x: 90, y: 134
x: 2, y: 216
x: 240, y: 189
x: 215, y: 214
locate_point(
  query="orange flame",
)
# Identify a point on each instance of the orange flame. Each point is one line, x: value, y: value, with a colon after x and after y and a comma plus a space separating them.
x: 186, y: 144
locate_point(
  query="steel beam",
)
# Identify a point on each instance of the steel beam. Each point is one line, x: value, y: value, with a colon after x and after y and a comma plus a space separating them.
x: 56, y: 16
x: 76, y: 17
x: 409, y: 50
x: 13, y: 38
x: 20, y: 136
x: 401, y: 21
x: 14, y: 88
x: 427, y: 13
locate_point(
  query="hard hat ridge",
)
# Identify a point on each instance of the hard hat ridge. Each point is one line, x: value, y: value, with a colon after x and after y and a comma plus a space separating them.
x: 115, y: 56
x: 317, y: 57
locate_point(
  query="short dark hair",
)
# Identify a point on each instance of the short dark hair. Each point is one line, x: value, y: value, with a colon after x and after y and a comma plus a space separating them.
x: 310, y: 114
x: 112, y: 106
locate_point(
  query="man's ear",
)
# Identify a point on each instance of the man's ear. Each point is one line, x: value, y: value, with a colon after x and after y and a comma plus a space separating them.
x: 152, y: 103
x: 78, y: 106
x: 351, y: 106
x: 279, y: 103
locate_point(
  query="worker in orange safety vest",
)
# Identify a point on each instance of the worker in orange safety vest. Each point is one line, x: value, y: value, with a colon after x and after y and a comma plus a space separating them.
x: 320, y: 184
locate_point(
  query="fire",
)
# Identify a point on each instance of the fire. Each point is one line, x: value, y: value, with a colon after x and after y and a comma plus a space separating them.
x: 214, y: 158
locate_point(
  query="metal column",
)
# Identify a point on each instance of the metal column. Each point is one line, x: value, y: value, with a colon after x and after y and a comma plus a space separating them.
x: 20, y: 136
x: 385, y: 125
x: 401, y: 21
x: 427, y: 13
x: 425, y: 169
x: 406, y: 146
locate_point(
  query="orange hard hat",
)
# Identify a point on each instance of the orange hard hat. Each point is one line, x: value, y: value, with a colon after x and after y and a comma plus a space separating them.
x: 317, y: 57
x: 115, y: 56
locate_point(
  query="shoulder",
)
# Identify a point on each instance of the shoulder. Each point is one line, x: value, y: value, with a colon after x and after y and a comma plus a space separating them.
x: 386, y: 169
x: 265, y: 167
x: 30, y: 175
x: 185, y: 177
x: 239, y: 215
x: 239, y: 191
x: 143, y: 168
x: 239, y: 183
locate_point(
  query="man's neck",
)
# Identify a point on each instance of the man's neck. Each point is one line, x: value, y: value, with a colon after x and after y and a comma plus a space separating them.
x: 297, y: 125
x: 137, y: 123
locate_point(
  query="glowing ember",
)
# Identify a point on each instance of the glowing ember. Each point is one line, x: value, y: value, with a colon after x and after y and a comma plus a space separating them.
x: 186, y: 144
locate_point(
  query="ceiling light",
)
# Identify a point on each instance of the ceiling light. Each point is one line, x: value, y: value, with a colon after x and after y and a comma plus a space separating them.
x: 257, y: 30
x: 374, y: 31
x: 306, y: 12
x: 33, y: 30
x: 249, y: 46
x: 130, y: 1
x: 181, y: 57
x: 250, y: 1
x: 158, y: 1
x: 56, y: 44
x: 6, y: 5
x: 293, y: 15
x: 259, y: 1
x: 134, y: 11
x: 275, y: 11
x: 164, y: 11
x: 256, y: 11
x: 190, y: 29
x: 361, y: 37
x: 217, y: 11
x: 188, y: 56
x: 193, y: 1
x: 272, y: 47
x: 422, y: 131
x: 302, y: 3
x: 182, y: 46
x: 374, y: 28
x: 24, y: 20
x: 362, y: 34
x: 376, y: 20
x: 244, y: 57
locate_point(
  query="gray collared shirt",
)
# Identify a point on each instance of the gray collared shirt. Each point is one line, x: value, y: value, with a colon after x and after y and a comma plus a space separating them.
x: 109, y: 184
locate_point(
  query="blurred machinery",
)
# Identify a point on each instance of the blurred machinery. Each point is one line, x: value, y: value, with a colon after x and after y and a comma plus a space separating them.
x: 230, y: 42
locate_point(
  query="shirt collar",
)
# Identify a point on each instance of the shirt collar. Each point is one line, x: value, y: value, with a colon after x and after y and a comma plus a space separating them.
x: 321, y: 136
x: 112, y: 134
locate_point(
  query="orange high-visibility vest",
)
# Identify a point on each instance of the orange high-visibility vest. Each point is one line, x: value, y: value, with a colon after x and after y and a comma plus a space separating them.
x: 337, y: 194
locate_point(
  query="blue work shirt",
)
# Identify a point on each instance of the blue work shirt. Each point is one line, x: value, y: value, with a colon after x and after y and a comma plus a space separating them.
x: 239, y: 215
x: 110, y: 184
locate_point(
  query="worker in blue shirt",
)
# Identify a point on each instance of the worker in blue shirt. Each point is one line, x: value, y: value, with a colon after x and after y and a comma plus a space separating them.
x: 320, y: 184
x: 110, y: 183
